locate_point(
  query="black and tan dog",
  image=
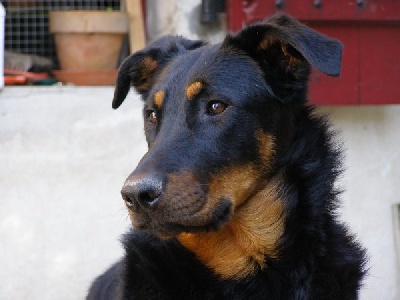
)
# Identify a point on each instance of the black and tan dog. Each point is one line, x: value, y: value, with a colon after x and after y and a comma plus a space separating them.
x: 235, y: 198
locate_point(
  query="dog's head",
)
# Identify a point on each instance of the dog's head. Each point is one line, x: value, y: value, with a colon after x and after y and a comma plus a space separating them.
x: 215, y: 119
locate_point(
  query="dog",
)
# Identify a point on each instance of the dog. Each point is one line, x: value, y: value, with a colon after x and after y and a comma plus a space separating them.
x: 236, y: 196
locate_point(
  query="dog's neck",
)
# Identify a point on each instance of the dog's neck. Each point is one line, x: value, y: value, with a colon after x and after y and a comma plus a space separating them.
x: 240, y: 248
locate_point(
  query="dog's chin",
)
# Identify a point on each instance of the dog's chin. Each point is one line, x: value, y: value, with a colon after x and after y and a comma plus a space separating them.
x: 220, y: 216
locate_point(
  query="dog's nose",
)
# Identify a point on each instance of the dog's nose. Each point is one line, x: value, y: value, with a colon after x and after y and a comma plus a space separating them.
x: 142, y: 190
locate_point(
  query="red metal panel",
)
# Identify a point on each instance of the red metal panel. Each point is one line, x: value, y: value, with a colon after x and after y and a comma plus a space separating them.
x: 342, y: 90
x: 370, y: 34
x: 379, y: 65
x: 245, y: 11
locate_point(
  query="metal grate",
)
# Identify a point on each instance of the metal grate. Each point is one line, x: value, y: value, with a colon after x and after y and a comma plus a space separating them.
x: 27, y: 24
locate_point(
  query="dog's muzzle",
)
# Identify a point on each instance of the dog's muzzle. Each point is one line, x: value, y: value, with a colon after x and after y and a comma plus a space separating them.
x: 173, y: 203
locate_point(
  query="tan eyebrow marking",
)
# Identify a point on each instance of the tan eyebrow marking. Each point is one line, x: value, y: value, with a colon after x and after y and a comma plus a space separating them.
x: 193, y: 89
x: 159, y: 98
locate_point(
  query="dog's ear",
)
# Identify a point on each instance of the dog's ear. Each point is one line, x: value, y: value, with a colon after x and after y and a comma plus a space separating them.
x: 141, y: 68
x: 284, y: 48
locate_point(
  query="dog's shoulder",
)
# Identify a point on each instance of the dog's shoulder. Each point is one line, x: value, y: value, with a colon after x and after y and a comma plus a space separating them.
x: 109, y: 285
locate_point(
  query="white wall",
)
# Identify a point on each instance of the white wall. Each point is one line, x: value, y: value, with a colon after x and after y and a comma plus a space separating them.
x: 372, y: 141
x: 64, y: 155
x: 181, y: 18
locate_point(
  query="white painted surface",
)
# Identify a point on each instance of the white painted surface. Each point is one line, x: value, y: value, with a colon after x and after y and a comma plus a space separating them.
x: 181, y: 18
x: 372, y: 179
x: 64, y: 155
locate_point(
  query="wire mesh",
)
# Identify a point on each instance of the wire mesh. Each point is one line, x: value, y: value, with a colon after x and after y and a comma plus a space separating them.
x: 27, y: 23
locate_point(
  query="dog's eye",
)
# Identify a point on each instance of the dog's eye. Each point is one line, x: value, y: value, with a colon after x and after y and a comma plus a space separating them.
x: 216, y: 107
x: 152, y: 116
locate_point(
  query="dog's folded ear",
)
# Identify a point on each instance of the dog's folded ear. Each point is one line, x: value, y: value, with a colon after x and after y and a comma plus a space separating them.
x: 284, y: 48
x: 141, y: 68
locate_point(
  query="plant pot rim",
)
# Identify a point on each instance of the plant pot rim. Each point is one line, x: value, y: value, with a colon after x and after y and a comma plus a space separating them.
x: 88, y: 21
x: 87, y: 77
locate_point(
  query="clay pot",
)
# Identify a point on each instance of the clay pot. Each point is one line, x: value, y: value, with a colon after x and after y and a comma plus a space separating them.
x: 88, y: 40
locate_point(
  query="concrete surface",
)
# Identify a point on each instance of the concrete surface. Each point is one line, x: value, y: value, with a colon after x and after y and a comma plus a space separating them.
x: 181, y: 18
x: 64, y: 154
x: 371, y: 182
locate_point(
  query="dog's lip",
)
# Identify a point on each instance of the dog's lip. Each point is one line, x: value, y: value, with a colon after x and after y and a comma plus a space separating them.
x: 140, y: 221
x: 221, y: 213
x: 192, y: 223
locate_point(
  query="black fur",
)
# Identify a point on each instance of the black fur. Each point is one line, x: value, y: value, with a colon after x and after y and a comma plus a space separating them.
x: 261, y: 74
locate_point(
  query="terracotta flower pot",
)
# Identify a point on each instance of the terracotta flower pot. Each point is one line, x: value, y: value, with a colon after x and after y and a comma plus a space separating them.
x: 88, y: 40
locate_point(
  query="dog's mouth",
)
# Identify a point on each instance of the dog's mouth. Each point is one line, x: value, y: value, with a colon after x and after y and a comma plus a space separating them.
x: 167, y: 223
